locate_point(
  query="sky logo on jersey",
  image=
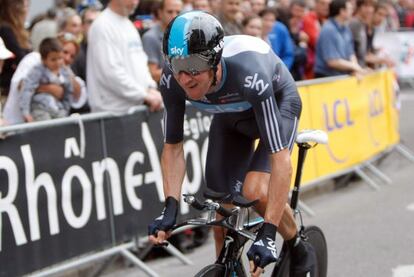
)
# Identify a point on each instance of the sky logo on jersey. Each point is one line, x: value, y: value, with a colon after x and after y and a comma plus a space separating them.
x: 253, y: 83
x: 176, y: 51
x: 165, y: 80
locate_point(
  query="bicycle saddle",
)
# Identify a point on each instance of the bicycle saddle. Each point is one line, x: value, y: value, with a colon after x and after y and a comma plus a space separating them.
x: 216, y: 196
x: 235, y: 199
x: 240, y: 201
x: 312, y: 136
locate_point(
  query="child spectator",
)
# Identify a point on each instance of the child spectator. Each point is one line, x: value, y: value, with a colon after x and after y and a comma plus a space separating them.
x: 43, y: 105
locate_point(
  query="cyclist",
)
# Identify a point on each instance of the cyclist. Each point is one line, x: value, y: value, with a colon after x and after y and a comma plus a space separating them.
x: 253, y: 95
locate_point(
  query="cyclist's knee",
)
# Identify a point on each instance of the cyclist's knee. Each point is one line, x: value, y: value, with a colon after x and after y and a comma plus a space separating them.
x: 256, y: 185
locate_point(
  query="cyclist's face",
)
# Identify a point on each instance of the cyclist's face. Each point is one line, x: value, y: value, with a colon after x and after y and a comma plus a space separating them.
x: 195, y: 86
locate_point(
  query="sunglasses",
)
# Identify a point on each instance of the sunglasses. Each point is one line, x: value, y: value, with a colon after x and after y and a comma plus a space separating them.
x: 192, y: 64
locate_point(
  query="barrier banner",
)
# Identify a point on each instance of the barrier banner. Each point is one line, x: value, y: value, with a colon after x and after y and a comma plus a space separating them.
x: 353, y: 113
x: 48, y: 205
x: 376, y: 130
x: 137, y: 187
x: 309, y: 170
x: 61, y: 198
x: 393, y: 107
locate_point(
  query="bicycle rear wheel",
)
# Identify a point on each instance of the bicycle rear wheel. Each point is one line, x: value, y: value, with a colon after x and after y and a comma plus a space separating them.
x: 317, y: 239
x: 213, y: 270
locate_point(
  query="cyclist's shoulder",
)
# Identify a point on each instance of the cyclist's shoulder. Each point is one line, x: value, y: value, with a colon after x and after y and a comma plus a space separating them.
x: 246, y: 55
x: 244, y: 45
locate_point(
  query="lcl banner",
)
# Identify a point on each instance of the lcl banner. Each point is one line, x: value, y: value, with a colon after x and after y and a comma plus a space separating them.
x: 62, y: 196
x: 358, y: 116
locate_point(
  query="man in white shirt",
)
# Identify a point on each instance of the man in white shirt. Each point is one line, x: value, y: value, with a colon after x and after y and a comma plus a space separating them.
x: 118, y: 77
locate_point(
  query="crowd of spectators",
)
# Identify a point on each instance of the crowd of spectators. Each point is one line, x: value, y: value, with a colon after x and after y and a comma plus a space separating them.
x: 90, y: 56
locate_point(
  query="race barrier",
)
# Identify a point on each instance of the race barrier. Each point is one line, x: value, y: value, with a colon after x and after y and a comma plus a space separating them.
x: 78, y: 189
x: 360, y: 117
x: 71, y: 189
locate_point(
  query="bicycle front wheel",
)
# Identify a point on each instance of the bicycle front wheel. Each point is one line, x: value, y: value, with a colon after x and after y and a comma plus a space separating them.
x: 213, y: 270
x: 317, y: 239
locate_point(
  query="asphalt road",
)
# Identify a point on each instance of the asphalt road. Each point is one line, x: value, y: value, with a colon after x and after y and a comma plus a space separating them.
x: 369, y: 232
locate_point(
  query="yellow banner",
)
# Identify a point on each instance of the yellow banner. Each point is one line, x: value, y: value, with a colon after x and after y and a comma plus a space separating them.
x: 359, y: 116
x: 309, y: 171
x: 393, y: 107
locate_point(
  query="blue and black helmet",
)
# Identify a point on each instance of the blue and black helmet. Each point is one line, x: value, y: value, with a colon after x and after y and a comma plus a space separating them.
x: 194, y: 32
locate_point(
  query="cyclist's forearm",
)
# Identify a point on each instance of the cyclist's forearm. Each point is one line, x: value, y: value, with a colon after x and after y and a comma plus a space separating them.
x: 281, y: 172
x: 173, y: 169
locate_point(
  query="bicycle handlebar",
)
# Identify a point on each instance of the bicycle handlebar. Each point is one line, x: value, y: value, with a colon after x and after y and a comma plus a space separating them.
x: 207, y: 205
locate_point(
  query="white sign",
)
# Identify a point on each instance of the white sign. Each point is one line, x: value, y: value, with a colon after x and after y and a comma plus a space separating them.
x: 399, y: 46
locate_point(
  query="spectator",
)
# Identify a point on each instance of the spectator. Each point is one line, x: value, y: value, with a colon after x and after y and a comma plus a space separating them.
x: 43, y: 105
x: 187, y: 6
x: 252, y: 26
x: 409, y: 17
x: 257, y: 6
x: 12, y: 112
x: 215, y: 6
x: 152, y: 39
x: 202, y: 5
x: 88, y: 15
x: 117, y: 71
x: 359, y: 25
x: 299, y: 37
x: 283, y: 11
x: 70, y: 50
x: 334, y: 48
x: 71, y: 22
x: 374, y: 58
x: 379, y: 19
x: 392, y: 21
x: 16, y: 38
x: 88, y: 4
x: 4, y: 54
x: 312, y: 24
x: 402, y: 8
x: 283, y: 5
x: 277, y: 36
x: 230, y: 17
x: 45, y: 28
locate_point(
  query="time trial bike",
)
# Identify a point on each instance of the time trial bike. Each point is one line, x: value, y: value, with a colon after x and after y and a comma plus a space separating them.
x: 241, y: 227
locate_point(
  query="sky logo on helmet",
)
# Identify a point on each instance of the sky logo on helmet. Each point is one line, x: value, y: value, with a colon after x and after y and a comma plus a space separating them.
x: 176, y: 51
x: 219, y: 46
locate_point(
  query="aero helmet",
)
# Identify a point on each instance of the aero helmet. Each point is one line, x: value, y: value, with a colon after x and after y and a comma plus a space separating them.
x: 193, y: 42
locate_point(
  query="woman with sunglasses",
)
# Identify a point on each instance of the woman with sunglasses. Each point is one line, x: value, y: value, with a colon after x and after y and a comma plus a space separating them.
x: 253, y: 95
